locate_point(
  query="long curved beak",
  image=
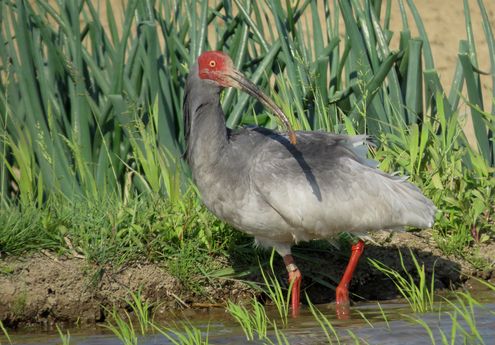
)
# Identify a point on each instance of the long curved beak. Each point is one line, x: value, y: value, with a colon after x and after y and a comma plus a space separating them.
x: 241, y: 82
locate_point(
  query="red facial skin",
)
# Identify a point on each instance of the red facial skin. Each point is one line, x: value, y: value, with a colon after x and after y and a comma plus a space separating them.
x: 215, y: 65
x: 218, y: 67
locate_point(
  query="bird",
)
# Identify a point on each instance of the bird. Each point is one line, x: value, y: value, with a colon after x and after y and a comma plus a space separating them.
x: 283, y: 188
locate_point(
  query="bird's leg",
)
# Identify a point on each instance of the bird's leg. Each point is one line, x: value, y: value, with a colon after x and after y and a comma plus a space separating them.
x: 295, y: 278
x: 342, y: 291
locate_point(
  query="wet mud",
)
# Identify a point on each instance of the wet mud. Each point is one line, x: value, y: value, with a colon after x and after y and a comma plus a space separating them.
x: 44, y: 289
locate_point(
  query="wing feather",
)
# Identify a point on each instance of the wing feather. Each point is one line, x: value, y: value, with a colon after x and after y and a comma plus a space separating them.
x: 323, y: 186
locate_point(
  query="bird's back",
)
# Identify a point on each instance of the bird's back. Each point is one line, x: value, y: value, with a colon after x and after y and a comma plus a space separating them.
x: 325, y: 184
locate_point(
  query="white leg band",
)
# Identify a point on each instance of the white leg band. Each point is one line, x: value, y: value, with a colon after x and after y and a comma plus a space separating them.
x: 291, y: 268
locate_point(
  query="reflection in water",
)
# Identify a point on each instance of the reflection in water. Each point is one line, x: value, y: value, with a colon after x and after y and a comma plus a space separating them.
x: 304, y: 330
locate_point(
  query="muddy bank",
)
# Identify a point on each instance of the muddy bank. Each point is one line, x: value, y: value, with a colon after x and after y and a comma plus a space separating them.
x: 44, y: 288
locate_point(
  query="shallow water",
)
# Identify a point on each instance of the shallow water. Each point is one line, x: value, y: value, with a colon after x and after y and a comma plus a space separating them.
x: 371, y: 329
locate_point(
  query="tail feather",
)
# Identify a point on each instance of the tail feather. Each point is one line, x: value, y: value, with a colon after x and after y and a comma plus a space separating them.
x: 418, y: 210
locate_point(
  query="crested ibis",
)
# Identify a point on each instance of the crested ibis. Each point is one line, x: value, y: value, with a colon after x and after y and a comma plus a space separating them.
x: 283, y: 188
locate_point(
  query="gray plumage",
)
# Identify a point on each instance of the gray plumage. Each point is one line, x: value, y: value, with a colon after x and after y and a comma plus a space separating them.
x: 260, y: 183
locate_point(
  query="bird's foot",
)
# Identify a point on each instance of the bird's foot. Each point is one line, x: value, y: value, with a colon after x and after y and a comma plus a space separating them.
x: 295, y: 278
x: 342, y: 291
x: 343, y: 303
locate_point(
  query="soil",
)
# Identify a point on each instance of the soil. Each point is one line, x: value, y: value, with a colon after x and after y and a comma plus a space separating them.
x: 44, y: 289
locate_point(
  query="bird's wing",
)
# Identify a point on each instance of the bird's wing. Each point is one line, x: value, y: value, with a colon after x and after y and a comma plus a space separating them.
x: 322, y: 186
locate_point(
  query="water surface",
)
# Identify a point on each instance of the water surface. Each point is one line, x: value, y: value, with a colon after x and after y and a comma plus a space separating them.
x: 367, y: 323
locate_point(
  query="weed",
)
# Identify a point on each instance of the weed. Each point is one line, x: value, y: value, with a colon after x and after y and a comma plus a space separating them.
x: 5, y: 333
x: 91, y: 126
x: 463, y: 326
x: 121, y: 327
x: 64, y: 337
x: 255, y: 323
x: 325, y: 324
x: 19, y: 303
x: 252, y: 322
x: 464, y: 306
x: 279, y: 336
x: 5, y: 269
x: 384, y: 316
x: 274, y: 291
x: 107, y: 122
x: 420, y: 296
x: 186, y: 334
x: 141, y: 310
x: 357, y: 340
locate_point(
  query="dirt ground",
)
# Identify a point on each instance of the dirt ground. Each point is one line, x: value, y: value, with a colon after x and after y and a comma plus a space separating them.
x: 43, y: 289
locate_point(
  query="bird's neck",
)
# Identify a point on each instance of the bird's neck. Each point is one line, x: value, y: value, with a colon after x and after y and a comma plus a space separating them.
x: 207, y: 138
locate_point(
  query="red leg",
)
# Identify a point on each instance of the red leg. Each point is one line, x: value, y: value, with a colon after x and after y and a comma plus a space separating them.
x: 295, y: 278
x: 342, y: 291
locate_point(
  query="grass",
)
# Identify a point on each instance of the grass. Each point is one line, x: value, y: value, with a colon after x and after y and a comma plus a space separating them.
x: 141, y: 310
x: 185, y: 335
x: 91, y: 158
x: 19, y: 304
x: 253, y: 321
x: 126, y: 328
x: 275, y: 292
x: 64, y: 337
x: 325, y: 324
x: 91, y: 125
x: 463, y: 328
x: 113, y: 231
x: 420, y: 295
x: 122, y: 327
x: 92, y: 130
x: 5, y: 333
x: 456, y: 324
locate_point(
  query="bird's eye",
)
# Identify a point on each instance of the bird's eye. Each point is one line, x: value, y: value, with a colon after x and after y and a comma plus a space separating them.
x: 213, y: 63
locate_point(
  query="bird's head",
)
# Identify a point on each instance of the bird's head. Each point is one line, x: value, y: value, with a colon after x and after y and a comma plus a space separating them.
x: 219, y: 68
